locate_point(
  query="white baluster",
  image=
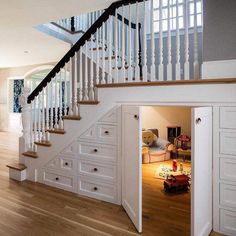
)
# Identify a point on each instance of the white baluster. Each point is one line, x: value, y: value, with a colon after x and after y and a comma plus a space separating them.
x: 60, y: 100
x: 65, y: 90
x: 137, y: 68
x: 177, y: 65
x: 129, y: 47
x: 186, y: 41
x: 144, y: 43
x: 39, y: 117
x: 97, y: 58
x: 195, y: 60
x: 47, y: 112
x: 116, y: 47
x: 153, y: 66
x: 109, y: 77
x: 86, y: 98
x: 35, y: 121
x: 75, y: 76
x: 71, y: 88
x: 91, y: 91
x: 160, y: 68
x: 80, y: 74
x: 103, y: 81
x: 169, y: 64
x: 51, y: 104
x: 56, y: 102
x: 122, y: 69
x: 43, y: 115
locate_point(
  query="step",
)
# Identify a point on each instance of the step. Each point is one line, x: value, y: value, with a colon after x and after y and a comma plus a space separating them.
x: 17, y: 171
x: 88, y: 102
x: 95, y: 49
x: 72, y: 117
x: 43, y: 143
x: 56, y: 131
x: 30, y: 154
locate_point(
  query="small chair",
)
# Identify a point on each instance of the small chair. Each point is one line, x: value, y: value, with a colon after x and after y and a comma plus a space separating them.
x: 183, y: 146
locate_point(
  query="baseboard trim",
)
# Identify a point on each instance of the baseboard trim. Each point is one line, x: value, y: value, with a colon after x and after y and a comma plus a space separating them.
x: 219, y: 69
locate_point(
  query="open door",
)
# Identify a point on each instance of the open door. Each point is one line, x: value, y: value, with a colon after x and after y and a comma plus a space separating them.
x: 132, y: 164
x: 201, y: 204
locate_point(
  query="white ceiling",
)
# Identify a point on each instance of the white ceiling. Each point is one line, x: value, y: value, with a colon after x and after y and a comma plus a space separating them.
x: 17, y: 32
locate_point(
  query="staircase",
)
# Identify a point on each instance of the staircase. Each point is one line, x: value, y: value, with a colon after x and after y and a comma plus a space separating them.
x: 125, y: 45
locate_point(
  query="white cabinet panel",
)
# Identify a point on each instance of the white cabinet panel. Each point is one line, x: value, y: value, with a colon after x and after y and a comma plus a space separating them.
x: 97, y: 152
x: 228, y: 117
x: 228, y: 222
x: 110, y: 117
x: 228, y: 143
x: 228, y: 195
x: 92, y: 169
x: 228, y: 169
x: 91, y: 133
x: 107, y: 133
x: 98, y: 190
x: 71, y: 149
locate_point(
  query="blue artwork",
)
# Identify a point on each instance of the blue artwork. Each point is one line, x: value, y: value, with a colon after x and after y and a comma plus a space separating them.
x: 17, y: 90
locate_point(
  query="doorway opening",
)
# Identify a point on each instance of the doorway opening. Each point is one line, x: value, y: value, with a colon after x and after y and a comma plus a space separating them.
x: 166, y: 170
x: 167, y: 181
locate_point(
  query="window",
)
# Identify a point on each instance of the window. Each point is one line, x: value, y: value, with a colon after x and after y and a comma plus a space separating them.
x: 173, y: 14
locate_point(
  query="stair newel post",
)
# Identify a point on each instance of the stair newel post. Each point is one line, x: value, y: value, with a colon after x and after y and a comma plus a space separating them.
x: 103, y: 81
x: 60, y: 101
x: 97, y: 57
x: 75, y: 76
x: 80, y: 74
x: 129, y: 47
x: 169, y: 64
x: 160, y: 68
x: 25, y: 139
x: 153, y: 66
x: 116, y: 46
x: 35, y: 121
x: 196, y: 74
x: 186, y: 40
x: 39, y: 117
x: 86, y: 97
x: 137, y: 68
x: 122, y: 74
x: 43, y: 115
x: 177, y: 65
x: 91, y: 90
x: 109, y: 79
x: 145, y: 43
x: 51, y: 104
x: 56, y: 101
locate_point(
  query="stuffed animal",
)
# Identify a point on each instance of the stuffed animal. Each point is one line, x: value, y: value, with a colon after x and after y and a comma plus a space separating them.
x: 148, y: 138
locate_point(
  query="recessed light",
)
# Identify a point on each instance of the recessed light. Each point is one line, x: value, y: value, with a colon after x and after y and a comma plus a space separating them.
x: 26, y: 51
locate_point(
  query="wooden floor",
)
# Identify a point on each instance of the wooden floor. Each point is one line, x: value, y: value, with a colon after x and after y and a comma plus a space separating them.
x: 35, y: 209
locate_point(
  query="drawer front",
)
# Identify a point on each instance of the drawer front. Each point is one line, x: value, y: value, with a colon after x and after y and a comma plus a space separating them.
x: 97, y: 152
x: 228, y: 195
x: 107, y: 133
x: 91, y: 169
x: 228, y: 143
x: 228, y: 222
x: 228, y: 117
x: 228, y: 169
x: 58, y: 180
x: 98, y: 190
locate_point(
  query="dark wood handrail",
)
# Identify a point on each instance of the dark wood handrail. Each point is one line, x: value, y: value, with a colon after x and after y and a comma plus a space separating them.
x: 86, y: 36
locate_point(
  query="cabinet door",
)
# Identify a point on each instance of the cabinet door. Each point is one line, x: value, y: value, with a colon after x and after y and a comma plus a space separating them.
x: 132, y: 165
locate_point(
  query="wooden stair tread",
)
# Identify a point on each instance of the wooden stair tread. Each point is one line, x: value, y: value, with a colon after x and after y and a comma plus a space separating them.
x: 112, y: 57
x: 30, y: 154
x: 119, y: 67
x: 16, y: 166
x: 72, y: 117
x: 43, y: 143
x: 56, y: 131
x: 95, y: 49
x: 88, y: 102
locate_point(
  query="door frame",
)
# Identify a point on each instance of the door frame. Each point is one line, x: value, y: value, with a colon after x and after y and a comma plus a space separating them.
x: 181, y: 104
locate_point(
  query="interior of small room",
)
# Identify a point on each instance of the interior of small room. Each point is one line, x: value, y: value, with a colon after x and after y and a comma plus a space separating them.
x: 166, y: 168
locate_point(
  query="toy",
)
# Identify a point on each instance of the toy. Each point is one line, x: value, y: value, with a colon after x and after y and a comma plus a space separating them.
x: 176, y: 183
x: 148, y: 137
x: 174, y: 165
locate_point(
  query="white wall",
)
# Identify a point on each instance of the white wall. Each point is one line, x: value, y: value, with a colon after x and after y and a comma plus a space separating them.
x: 161, y: 117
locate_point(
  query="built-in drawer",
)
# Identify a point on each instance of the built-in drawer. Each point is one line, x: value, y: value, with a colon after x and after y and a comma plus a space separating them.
x: 228, y: 169
x: 107, y: 133
x: 55, y: 179
x: 228, y: 195
x: 98, y: 190
x: 97, y: 152
x: 228, y: 222
x: 228, y: 143
x: 92, y: 169
x: 228, y: 117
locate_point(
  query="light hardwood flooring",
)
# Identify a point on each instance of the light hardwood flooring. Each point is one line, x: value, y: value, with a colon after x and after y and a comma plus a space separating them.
x: 34, y: 209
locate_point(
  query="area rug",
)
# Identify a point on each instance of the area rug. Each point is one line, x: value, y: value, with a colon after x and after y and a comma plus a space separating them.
x: 165, y: 170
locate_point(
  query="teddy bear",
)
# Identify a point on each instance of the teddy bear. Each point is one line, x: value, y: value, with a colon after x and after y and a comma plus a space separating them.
x: 149, y: 138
